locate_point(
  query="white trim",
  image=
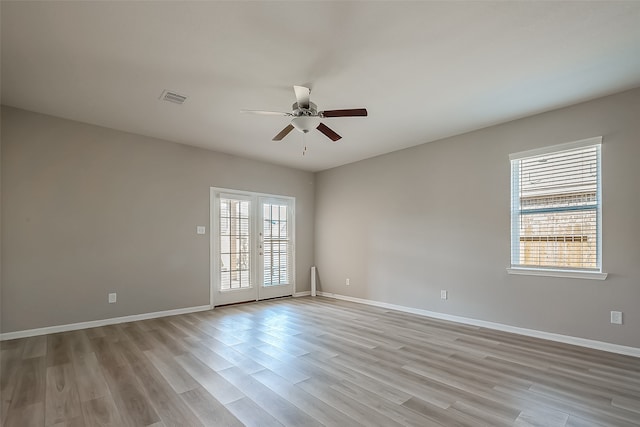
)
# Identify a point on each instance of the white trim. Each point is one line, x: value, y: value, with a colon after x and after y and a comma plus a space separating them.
x: 302, y: 294
x: 251, y: 193
x: 583, y: 342
x: 102, y: 322
x: 573, y: 274
x: 212, y: 244
x: 599, y: 211
x: 555, y: 148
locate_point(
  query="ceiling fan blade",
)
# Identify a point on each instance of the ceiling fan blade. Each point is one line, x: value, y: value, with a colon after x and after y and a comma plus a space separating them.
x: 265, y: 113
x: 284, y: 132
x: 328, y: 132
x: 302, y: 96
x: 354, y: 112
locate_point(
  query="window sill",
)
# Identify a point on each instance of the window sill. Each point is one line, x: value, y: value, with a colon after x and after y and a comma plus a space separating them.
x: 573, y: 274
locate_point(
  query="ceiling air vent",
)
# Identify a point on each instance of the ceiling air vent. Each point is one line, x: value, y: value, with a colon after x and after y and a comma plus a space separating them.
x: 176, y: 98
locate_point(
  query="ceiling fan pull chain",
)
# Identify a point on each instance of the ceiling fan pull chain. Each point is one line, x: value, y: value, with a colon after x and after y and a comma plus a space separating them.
x: 304, y: 143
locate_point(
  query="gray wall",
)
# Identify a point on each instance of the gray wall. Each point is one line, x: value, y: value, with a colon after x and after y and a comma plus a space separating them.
x: 405, y: 225
x: 88, y: 210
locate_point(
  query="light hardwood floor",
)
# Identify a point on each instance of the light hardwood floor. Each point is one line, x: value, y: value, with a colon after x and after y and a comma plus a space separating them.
x: 310, y: 362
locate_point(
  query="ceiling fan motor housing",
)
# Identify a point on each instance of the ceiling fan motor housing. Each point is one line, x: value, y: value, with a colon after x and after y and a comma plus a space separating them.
x: 301, y: 111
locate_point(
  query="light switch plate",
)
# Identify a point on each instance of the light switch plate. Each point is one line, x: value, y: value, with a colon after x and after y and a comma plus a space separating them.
x: 443, y: 294
x: 201, y: 229
x: 616, y: 317
x: 112, y: 297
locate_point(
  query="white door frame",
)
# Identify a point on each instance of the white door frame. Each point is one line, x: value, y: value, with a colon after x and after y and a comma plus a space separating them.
x: 214, y: 236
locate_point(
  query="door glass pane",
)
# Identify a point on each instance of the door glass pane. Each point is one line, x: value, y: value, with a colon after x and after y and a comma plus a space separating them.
x: 276, y: 245
x: 235, y: 247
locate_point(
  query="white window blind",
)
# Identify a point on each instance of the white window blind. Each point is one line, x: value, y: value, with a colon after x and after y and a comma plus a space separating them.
x: 556, y: 207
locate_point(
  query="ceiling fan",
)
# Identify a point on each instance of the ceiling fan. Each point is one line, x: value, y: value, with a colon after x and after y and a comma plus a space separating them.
x: 307, y: 117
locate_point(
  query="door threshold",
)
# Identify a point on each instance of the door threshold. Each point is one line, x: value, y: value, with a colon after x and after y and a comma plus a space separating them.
x: 252, y: 301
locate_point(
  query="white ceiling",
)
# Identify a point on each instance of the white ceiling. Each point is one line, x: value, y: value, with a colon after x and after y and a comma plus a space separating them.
x: 424, y: 70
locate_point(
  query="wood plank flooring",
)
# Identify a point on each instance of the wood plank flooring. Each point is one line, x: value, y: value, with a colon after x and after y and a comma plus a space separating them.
x: 310, y: 362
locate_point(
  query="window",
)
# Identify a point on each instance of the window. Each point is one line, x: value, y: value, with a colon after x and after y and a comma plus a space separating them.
x: 556, y: 210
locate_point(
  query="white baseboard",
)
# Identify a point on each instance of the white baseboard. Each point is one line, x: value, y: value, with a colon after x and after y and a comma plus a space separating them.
x: 583, y: 342
x: 302, y: 294
x: 102, y: 322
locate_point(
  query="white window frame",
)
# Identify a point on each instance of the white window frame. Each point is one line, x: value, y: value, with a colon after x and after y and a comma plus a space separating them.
x: 515, y: 215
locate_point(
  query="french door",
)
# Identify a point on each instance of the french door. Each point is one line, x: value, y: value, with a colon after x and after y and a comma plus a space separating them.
x: 252, y: 246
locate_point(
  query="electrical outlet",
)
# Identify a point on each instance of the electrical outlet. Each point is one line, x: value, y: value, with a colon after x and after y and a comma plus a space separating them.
x: 112, y: 297
x: 347, y: 282
x: 616, y: 317
x: 443, y: 294
x: 201, y: 229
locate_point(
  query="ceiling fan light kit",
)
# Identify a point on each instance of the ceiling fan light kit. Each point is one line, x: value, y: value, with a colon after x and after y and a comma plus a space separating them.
x: 307, y: 117
x: 305, y: 123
